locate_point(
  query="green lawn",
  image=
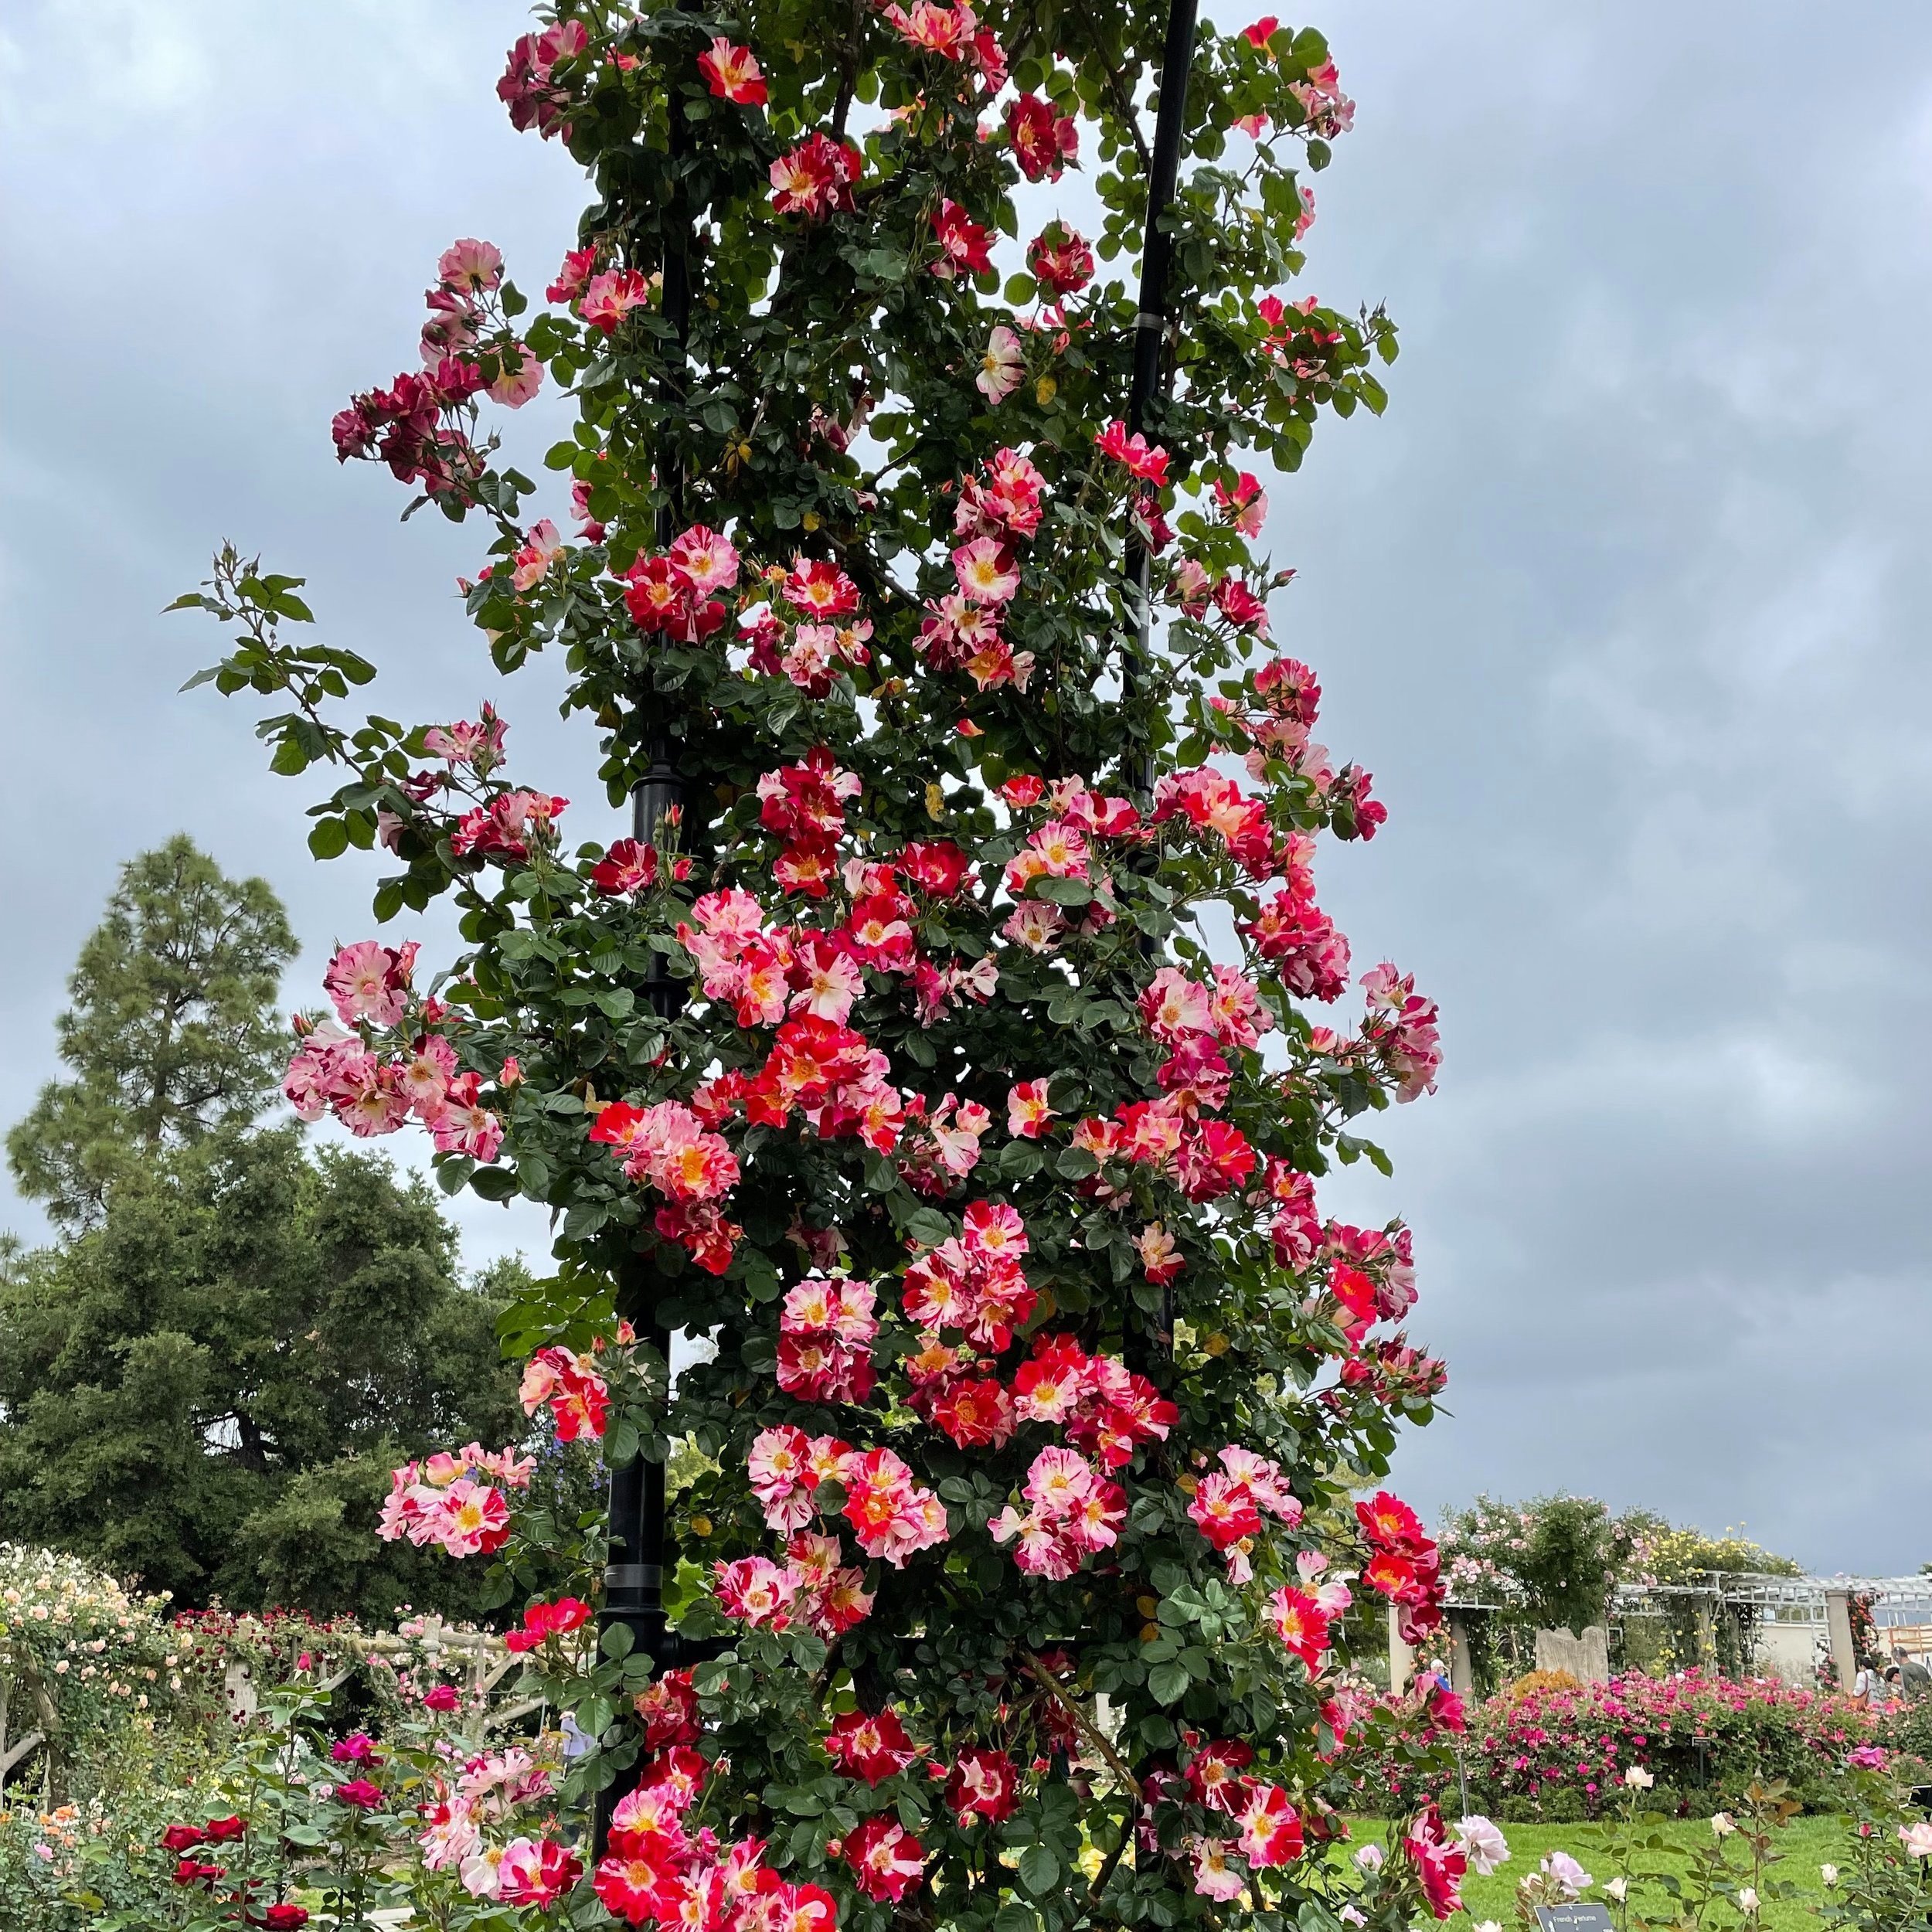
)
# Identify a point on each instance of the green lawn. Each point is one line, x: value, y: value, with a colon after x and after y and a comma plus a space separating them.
x: 1803, y: 1846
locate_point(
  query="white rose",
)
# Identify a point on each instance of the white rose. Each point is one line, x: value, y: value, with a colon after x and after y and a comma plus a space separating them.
x: 1483, y: 1844
x: 1565, y: 1871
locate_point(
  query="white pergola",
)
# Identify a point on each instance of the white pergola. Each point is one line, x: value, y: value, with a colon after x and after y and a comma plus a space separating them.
x: 1822, y: 1602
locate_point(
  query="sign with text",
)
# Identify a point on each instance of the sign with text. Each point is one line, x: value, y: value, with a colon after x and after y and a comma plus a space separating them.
x: 1573, y: 1918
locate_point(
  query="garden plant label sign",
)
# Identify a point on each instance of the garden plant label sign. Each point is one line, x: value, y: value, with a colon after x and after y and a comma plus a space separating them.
x: 1573, y: 1918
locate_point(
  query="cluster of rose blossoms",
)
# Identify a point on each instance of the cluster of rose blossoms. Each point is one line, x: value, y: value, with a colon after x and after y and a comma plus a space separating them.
x: 972, y: 1288
x: 184, y: 1843
x: 658, y: 1869
x: 1267, y: 1828
x: 1439, y: 1860
x: 475, y: 1799
x: 891, y: 1516
x: 1228, y: 1503
x: 1404, y: 1565
x: 440, y: 1500
x: 416, y: 425
x: 961, y: 630
x: 578, y: 1397
x: 374, y: 1079
x: 804, y: 981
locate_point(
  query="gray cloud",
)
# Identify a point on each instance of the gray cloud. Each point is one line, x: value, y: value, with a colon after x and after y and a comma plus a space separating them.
x: 1624, y: 602
x: 1625, y: 599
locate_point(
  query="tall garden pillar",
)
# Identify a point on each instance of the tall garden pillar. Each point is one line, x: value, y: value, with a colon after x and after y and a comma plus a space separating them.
x: 1838, y: 1625
x: 1707, y: 1633
x: 1402, y: 1658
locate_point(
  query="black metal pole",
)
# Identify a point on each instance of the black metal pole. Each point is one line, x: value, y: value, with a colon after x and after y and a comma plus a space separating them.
x: 634, y: 1567
x: 638, y: 1550
x: 1157, y: 251
x: 1153, y: 368
x: 1154, y: 373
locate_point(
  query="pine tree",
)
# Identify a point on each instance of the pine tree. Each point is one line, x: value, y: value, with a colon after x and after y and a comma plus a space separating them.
x: 204, y: 1384
x: 172, y: 1033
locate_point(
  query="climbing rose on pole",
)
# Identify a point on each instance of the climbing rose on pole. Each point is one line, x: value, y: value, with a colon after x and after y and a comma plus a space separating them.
x: 955, y: 1038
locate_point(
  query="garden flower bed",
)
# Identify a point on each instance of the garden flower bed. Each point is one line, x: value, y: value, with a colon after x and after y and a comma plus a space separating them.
x: 1559, y: 1752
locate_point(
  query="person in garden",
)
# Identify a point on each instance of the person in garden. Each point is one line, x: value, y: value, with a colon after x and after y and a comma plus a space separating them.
x: 956, y: 1034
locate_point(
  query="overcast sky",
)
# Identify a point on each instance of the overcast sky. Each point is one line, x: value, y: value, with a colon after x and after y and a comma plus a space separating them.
x: 1624, y: 603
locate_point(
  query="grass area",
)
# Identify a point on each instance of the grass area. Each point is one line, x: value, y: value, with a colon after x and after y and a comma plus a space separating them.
x: 1802, y: 1847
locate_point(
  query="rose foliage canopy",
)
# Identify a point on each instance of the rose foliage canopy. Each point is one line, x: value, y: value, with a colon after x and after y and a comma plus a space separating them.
x: 892, y: 1053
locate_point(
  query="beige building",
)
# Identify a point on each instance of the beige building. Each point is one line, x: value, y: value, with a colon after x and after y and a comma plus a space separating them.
x: 1914, y: 1639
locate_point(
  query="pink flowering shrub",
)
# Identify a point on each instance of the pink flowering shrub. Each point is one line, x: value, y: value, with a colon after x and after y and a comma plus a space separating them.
x: 954, y: 1037
x: 308, y: 1824
x: 1562, y: 1754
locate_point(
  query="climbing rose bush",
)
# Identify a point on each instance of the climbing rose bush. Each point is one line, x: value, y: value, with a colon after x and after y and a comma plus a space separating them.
x: 956, y: 1038
x: 82, y: 1658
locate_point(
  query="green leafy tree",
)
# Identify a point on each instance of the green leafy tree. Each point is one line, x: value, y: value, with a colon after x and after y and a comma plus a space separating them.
x: 206, y: 1385
x: 207, y: 1390
x: 1553, y: 1561
x: 172, y: 1033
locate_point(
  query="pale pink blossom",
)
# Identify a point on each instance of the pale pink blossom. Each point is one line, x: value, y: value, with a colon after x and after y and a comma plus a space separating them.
x: 1217, y: 1874
x: 475, y: 267
x: 369, y: 981
x: 514, y: 387
x: 1003, y: 367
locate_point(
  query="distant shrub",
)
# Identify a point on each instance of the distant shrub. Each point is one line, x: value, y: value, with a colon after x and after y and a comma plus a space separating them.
x: 1536, y: 1682
x: 1907, y: 1731
x: 82, y: 1660
x: 1552, y: 1750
